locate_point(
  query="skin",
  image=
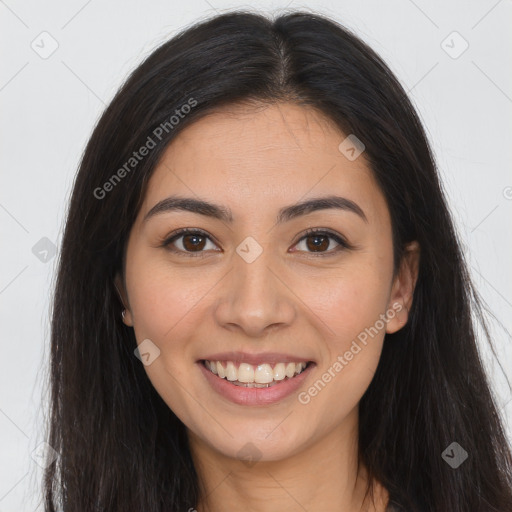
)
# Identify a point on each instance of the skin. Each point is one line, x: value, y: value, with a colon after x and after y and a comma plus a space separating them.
x: 290, y: 299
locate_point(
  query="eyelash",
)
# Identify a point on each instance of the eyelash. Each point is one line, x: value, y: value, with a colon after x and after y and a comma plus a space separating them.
x: 343, y: 244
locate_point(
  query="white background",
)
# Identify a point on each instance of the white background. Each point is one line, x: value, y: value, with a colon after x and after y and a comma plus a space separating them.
x: 49, y: 107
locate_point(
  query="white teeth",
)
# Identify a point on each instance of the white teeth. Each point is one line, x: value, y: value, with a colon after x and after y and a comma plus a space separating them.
x: 231, y: 372
x: 260, y: 375
x: 263, y: 374
x: 245, y: 373
x: 290, y: 370
x: 279, y: 371
x: 220, y: 370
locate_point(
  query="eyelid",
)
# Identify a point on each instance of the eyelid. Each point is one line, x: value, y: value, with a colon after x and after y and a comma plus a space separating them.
x: 338, y: 238
x: 167, y: 242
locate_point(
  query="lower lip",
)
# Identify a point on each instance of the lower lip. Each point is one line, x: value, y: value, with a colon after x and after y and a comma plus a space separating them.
x: 255, y: 396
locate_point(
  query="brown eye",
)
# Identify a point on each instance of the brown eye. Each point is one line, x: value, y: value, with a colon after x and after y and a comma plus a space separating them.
x: 189, y: 242
x: 317, y: 243
x: 193, y: 242
x: 321, y: 242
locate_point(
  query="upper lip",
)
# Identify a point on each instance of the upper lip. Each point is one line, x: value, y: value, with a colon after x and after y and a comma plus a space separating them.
x: 255, y: 359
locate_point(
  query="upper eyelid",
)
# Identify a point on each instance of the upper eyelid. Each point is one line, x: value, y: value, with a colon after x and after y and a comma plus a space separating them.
x: 309, y: 232
x: 187, y: 231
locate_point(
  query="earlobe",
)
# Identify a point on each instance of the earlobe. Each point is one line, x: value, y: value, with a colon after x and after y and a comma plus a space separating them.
x: 402, y: 292
x: 121, y: 291
x: 397, y: 316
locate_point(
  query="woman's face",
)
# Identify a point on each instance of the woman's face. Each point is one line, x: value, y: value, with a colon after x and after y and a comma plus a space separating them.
x: 255, y: 287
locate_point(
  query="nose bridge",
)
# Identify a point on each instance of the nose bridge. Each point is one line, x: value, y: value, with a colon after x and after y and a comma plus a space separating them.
x: 254, y: 298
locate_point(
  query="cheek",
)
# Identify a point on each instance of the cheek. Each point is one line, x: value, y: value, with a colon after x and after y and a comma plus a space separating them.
x: 350, y: 306
x: 165, y: 308
x: 353, y: 335
x: 161, y: 300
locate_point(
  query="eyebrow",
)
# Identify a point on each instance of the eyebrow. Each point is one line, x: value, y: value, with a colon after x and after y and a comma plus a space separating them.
x: 202, y: 207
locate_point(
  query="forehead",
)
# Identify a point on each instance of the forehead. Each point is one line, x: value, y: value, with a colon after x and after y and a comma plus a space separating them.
x: 278, y: 153
x: 280, y: 134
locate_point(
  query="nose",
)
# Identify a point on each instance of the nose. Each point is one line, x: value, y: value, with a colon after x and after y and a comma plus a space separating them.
x: 254, y: 299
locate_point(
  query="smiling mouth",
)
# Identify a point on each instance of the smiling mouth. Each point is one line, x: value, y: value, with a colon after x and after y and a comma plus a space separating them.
x: 263, y: 375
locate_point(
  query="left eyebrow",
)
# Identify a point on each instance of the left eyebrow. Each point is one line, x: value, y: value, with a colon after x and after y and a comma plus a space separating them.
x: 202, y: 207
x: 322, y: 203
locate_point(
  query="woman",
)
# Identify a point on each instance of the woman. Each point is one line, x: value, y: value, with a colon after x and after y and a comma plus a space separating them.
x: 261, y: 302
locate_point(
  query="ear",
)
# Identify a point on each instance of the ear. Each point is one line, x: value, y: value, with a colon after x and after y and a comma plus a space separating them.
x: 119, y: 284
x: 402, y: 289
